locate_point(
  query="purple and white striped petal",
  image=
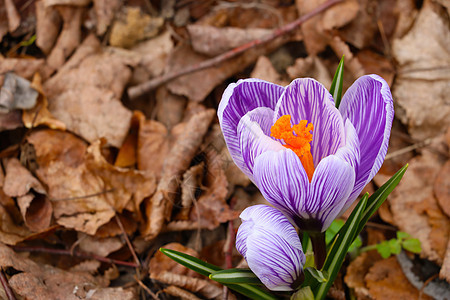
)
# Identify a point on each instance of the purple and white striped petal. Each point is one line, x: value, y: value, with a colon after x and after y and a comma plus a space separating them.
x: 282, y: 180
x: 307, y: 99
x: 271, y: 246
x: 252, y: 132
x: 237, y: 100
x: 332, y: 183
x: 368, y: 105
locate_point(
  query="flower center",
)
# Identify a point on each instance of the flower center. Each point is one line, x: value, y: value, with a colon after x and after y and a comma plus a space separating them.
x: 298, y: 142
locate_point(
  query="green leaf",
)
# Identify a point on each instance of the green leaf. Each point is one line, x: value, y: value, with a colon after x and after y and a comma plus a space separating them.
x: 395, y: 246
x: 337, y: 254
x: 336, y: 85
x: 235, y: 276
x: 412, y: 245
x: 334, y: 228
x: 316, y: 274
x: 384, y: 249
x: 206, y: 269
x: 380, y: 195
x: 402, y: 235
x: 304, y: 293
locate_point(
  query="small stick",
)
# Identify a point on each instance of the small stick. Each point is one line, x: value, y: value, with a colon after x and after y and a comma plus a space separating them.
x: 125, y: 235
x: 138, y: 90
x: 8, y: 291
x: 149, y: 291
x: 76, y: 254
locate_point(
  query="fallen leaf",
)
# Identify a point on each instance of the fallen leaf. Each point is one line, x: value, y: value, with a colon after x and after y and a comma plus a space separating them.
x: 23, y: 67
x: 11, y: 120
x: 16, y: 93
x: 311, y: 66
x: 212, y: 41
x: 356, y: 271
x: 105, y: 11
x: 48, y: 23
x: 66, y: 2
x: 445, y: 269
x: 265, y: 70
x: 133, y: 26
x: 99, y: 246
x: 442, y: 188
x: 386, y: 280
x: 12, y: 14
x: 180, y: 293
x: 170, y: 108
x: 162, y: 263
x: 189, y: 137
x: 192, y: 182
x: 33, y: 281
x: 421, y: 53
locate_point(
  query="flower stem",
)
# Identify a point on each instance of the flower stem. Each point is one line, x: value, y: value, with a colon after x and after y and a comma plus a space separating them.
x: 319, y: 247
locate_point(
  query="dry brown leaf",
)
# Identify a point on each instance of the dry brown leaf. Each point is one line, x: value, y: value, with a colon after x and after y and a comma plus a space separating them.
x: 265, y: 70
x: 212, y: 41
x: 180, y: 293
x: 13, y: 15
x: 206, y: 80
x: 202, y: 286
x: 11, y: 120
x: 190, y: 135
x: 192, y: 181
x: 386, y: 280
x: 85, y: 94
x: 442, y: 188
x: 423, y: 56
x: 66, y: 2
x: 356, y: 271
x: 127, y: 156
x: 311, y: 66
x: 40, y: 115
x: 162, y: 263
x: 24, y: 67
x: 33, y: 281
x: 105, y: 11
x: 48, y: 23
x: 68, y: 39
x: 170, y: 108
x: 3, y: 20
x: 374, y: 63
x: 85, y: 190
x: 99, y: 246
x: 350, y: 61
x: 415, y: 209
x: 133, y: 26
x: 445, y: 269
x: 153, y: 55
x: 34, y: 206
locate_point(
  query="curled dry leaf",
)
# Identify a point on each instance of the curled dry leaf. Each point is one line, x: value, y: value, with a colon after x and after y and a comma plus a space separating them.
x: 212, y: 41
x: 202, y: 286
x: 189, y: 136
x: 48, y: 23
x: 99, y: 246
x: 33, y: 281
x: 85, y: 94
x: 192, y: 181
x: 386, y: 280
x: 23, y: 67
x: 424, y: 57
x: 85, y: 190
x: 34, y: 206
x: 180, y: 293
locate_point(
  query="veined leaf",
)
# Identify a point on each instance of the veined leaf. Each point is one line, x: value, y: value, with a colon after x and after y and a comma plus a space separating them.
x: 336, y: 85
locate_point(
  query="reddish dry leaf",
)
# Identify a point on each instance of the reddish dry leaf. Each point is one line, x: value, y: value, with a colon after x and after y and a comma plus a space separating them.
x: 356, y: 271
x: 192, y: 181
x: 66, y: 2
x: 48, y: 23
x: 162, y: 263
x: 311, y: 66
x: 11, y: 120
x: 445, y: 269
x: 180, y: 293
x: 99, y: 246
x: 13, y: 15
x: 170, y: 108
x: 212, y: 41
x: 189, y: 137
x: 265, y: 70
x: 127, y: 156
x: 386, y: 280
x: 202, y: 286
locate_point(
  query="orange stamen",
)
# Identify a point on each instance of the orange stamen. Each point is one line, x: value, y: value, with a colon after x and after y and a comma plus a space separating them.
x: 298, y: 142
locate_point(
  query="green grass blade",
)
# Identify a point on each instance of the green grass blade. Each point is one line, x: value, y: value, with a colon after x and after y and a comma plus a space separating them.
x: 207, y: 269
x: 235, y: 276
x: 337, y: 254
x: 336, y: 85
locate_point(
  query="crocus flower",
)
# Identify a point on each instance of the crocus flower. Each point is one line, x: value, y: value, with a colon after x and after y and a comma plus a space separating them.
x: 308, y: 158
x: 271, y: 247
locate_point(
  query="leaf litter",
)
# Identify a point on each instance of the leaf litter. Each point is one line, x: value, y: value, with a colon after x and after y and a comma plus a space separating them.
x: 89, y: 167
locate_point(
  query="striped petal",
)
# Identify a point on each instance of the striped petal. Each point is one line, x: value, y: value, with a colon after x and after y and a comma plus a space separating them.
x: 238, y: 99
x: 307, y: 99
x: 282, y: 180
x: 252, y: 132
x: 271, y: 246
x: 368, y: 105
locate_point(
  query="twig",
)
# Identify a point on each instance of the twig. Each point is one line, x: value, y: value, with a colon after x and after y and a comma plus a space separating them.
x: 8, y: 291
x: 125, y: 235
x: 149, y: 291
x: 76, y: 254
x: 136, y: 91
x: 409, y: 148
